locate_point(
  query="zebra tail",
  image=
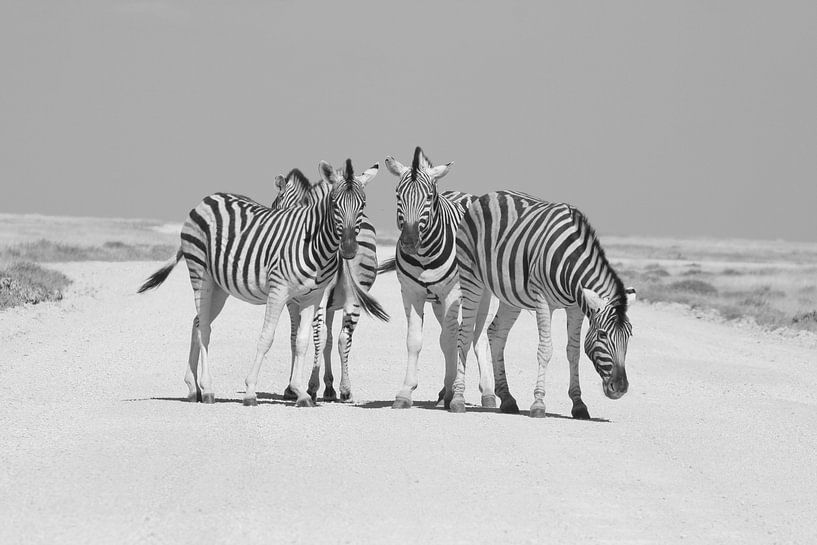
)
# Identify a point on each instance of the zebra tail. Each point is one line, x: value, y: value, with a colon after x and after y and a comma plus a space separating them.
x: 387, y: 266
x: 161, y: 275
x: 366, y: 301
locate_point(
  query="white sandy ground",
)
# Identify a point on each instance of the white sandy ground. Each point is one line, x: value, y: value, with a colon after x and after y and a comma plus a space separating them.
x: 715, y: 443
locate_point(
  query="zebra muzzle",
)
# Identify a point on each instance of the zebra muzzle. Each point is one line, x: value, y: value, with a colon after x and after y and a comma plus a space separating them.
x: 348, y: 247
x: 617, y: 385
x: 410, y: 239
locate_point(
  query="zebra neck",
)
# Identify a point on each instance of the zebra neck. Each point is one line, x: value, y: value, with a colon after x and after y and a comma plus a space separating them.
x: 327, y: 240
x: 438, y: 224
x: 601, y: 279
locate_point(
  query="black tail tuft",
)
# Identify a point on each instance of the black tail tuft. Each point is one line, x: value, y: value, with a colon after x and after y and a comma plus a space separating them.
x: 366, y: 301
x: 157, y: 278
x: 387, y: 266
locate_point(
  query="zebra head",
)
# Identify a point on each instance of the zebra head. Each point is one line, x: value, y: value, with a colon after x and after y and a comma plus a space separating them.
x: 296, y: 190
x: 346, y: 201
x: 606, y: 340
x: 416, y: 198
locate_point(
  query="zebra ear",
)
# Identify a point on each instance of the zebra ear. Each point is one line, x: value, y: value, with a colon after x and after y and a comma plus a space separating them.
x: 280, y: 183
x: 395, y: 166
x: 368, y: 174
x: 328, y: 173
x: 630, y: 295
x: 435, y: 173
x: 594, y: 301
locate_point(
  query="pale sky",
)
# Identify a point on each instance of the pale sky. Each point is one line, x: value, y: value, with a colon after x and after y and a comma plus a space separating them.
x: 654, y: 118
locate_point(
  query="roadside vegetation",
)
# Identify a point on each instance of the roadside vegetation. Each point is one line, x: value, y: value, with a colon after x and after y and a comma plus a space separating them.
x: 47, y: 251
x: 24, y: 281
x: 772, y: 296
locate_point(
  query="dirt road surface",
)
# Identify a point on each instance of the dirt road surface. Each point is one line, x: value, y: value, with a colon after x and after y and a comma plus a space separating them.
x: 715, y: 443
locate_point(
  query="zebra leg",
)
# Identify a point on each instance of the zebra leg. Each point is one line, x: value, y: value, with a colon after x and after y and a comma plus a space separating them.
x: 275, y: 305
x: 543, y: 354
x: 308, y: 310
x: 447, y: 314
x: 413, y: 304
x: 294, y: 320
x: 192, y: 372
x: 483, y: 353
x: 209, y: 302
x: 498, y: 331
x: 574, y: 334
x: 329, y: 393
x: 319, y: 340
x: 350, y: 319
x: 447, y: 391
x: 478, y: 312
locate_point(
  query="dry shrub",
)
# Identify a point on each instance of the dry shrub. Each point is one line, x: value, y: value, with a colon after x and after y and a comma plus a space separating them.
x: 24, y: 282
x: 654, y: 270
x: 805, y: 318
x: 694, y: 286
x: 47, y: 251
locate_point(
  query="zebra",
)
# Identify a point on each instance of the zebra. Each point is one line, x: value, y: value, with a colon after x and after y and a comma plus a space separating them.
x: 236, y: 246
x: 533, y: 254
x: 296, y: 191
x: 425, y: 261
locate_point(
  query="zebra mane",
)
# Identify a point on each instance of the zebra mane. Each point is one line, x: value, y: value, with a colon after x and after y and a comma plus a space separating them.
x: 619, y: 300
x: 349, y: 173
x: 420, y: 161
x: 298, y: 177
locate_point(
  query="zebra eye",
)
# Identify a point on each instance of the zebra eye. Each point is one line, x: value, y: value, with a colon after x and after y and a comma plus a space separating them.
x: 602, y: 334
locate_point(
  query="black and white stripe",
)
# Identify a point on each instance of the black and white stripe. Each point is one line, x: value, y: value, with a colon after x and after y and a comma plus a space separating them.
x: 339, y: 296
x: 426, y: 266
x: 236, y: 246
x: 542, y: 256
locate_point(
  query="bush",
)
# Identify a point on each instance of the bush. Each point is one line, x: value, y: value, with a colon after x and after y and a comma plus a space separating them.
x: 29, y: 283
x: 805, y: 318
x: 45, y: 251
x: 693, y: 286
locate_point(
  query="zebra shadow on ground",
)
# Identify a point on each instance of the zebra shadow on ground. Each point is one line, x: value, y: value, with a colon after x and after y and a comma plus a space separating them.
x: 267, y: 398
x: 432, y: 405
x: 264, y: 398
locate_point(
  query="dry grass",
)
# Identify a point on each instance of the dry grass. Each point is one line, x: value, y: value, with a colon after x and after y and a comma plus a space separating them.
x: 26, y: 240
x: 774, y: 296
x: 23, y: 283
x: 45, y: 251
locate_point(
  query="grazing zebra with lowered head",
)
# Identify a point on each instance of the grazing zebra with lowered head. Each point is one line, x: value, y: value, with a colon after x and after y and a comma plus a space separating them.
x: 236, y: 246
x: 427, y: 268
x: 296, y: 191
x: 541, y: 256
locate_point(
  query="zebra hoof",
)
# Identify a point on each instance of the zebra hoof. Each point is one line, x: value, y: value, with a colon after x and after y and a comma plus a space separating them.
x: 346, y: 397
x: 457, y: 404
x: 313, y: 396
x: 290, y: 395
x: 250, y: 401
x: 580, y: 412
x: 441, y: 395
x: 194, y: 397
x: 401, y: 403
x: 208, y: 399
x: 537, y: 410
x: 330, y: 395
x: 305, y: 402
x: 489, y: 401
x: 509, y: 406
